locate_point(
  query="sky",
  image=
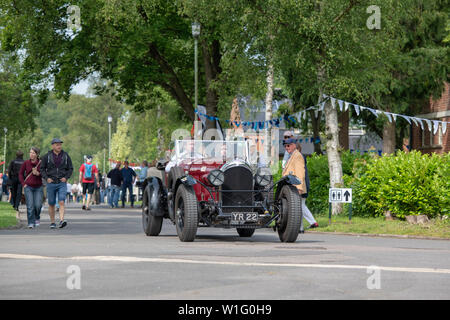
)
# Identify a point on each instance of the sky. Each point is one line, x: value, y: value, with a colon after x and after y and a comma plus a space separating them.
x: 81, y: 87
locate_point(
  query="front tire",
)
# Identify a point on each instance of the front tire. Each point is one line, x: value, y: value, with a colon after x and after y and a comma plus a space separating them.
x: 152, y: 225
x: 290, y: 214
x: 186, y: 213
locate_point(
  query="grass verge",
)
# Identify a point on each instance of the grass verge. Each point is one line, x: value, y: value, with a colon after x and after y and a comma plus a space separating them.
x: 367, y: 225
x: 7, y: 215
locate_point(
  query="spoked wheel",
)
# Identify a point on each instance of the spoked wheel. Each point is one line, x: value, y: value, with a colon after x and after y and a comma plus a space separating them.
x: 151, y: 224
x: 290, y: 214
x: 186, y: 214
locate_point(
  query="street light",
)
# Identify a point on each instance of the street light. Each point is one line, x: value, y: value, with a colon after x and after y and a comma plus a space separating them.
x: 109, y: 140
x: 196, y: 33
x: 4, y: 151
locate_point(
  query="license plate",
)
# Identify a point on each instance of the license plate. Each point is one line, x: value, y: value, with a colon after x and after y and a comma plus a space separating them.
x: 244, y: 216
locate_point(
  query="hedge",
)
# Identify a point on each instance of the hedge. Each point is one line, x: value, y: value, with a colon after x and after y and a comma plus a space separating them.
x: 404, y: 183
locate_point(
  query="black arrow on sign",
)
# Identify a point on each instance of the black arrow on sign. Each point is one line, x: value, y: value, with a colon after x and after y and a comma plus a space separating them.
x: 346, y: 195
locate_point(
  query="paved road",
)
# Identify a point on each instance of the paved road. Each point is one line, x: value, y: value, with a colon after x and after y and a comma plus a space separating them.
x: 106, y: 255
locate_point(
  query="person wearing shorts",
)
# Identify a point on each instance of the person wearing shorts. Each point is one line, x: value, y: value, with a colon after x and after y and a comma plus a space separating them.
x: 87, y: 172
x: 56, y: 169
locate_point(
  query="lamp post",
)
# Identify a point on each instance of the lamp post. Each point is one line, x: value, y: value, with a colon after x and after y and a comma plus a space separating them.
x: 196, y: 33
x: 4, y: 151
x: 109, y: 140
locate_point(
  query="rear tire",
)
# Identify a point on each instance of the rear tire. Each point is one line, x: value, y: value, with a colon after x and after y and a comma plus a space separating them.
x: 152, y: 225
x: 186, y: 213
x: 290, y: 214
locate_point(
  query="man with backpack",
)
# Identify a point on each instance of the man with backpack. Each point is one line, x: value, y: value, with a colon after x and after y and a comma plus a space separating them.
x: 56, y: 169
x: 16, y: 187
x: 88, y: 171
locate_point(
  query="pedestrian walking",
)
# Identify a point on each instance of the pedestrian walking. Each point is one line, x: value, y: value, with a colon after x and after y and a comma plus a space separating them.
x: 306, y: 212
x: 107, y: 188
x: 116, y: 182
x: 14, y: 182
x: 142, y: 176
x: 1, y: 186
x: 3, y: 182
x: 31, y: 180
x: 88, y: 174
x: 296, y: 165
x: 128, y: 178
x: 75, y: 191
x: 56, y: 169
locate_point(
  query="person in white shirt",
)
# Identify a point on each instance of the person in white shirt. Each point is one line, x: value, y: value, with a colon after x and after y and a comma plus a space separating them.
x: 74, y: 191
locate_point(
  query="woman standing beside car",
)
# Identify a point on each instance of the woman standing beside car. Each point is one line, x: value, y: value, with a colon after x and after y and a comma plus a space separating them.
x: 31, y: 180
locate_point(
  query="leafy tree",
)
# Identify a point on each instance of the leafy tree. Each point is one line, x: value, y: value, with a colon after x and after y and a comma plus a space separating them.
x: 17, y: 104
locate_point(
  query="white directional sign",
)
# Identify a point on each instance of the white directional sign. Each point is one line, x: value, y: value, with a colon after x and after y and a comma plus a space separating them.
x: 340, y: 195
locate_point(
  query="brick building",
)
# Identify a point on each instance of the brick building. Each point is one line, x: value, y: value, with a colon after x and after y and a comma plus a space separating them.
x: 424, y: 140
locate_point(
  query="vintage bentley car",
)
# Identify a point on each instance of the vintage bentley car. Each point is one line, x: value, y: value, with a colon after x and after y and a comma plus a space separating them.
x: 214, y: 184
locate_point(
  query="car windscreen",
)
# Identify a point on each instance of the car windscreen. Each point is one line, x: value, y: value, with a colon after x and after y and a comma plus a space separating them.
x: 211, y: 149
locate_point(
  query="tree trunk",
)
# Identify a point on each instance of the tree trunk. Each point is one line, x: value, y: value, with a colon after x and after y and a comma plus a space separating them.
x: 389, y: 137
x: 211, y: 59
x: 334, y: 158
x: 269, y: 99
x: 344, y: 120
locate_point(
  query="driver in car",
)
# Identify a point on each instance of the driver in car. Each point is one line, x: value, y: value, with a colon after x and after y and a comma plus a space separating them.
x: 187, y: 153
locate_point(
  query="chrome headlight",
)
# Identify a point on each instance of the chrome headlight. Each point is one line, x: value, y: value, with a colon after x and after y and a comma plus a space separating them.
x: 263, y: 177
x: 216, y: 178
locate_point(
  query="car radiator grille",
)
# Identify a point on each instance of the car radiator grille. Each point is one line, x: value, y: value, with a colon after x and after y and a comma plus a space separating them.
x: 237, y: 178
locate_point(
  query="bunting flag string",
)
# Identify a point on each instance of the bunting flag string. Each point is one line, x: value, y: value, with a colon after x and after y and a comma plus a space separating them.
x: 291, y: 120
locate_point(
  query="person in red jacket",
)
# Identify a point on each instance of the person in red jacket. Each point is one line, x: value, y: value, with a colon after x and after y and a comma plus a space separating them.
x: 88, y: 171
x: 31, y: 180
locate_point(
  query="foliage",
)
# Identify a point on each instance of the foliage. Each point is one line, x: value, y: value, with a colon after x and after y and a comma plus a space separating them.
x: 404, y: 184
x: 17, y: 104
x: 319, y: 177
x: 137, y: 45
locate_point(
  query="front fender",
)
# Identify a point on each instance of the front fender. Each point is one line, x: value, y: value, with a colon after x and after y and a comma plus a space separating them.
x: 286, y: 180
x: 157, y: 197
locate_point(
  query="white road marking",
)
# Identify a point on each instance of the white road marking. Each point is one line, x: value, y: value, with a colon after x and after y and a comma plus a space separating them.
x: 226, y: 263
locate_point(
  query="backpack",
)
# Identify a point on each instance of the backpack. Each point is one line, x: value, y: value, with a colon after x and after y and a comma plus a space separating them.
x: 88, y: 171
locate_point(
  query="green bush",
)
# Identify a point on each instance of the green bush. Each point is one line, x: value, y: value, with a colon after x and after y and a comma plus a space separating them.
x: 319, y: 177
x: 405, y: 184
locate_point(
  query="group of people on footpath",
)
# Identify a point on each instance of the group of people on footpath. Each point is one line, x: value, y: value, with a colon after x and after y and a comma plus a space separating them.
x: 120, y: 181
x: 29, y: 177
x: 52, y: 172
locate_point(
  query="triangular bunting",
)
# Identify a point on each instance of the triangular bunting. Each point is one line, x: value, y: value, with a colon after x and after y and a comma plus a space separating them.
x: 341, y: 104
x: 430, y: 127
x: 346, y: 106
x: 435, y: 126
